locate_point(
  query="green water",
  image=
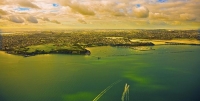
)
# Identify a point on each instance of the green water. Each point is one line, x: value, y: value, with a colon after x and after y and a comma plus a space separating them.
x: 168, y: 73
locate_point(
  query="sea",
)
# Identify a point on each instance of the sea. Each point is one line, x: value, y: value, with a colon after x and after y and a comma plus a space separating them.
x: 164, y: 73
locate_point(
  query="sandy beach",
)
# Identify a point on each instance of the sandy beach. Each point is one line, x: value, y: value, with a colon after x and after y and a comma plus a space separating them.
x: 164, y: 42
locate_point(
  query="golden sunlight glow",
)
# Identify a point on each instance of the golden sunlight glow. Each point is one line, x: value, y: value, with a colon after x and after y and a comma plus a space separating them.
x: 99, y: 14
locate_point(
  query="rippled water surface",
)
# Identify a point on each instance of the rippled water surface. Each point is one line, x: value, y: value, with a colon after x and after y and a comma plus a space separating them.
x: 168, y: 73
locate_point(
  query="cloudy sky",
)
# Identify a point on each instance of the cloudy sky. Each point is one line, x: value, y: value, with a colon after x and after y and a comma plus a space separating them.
x: 99, y: 14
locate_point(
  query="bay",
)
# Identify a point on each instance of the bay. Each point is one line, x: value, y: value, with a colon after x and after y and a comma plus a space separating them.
x: 168, y: 73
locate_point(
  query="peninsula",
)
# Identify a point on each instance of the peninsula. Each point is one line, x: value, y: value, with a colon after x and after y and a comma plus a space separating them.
x: 30, y: 43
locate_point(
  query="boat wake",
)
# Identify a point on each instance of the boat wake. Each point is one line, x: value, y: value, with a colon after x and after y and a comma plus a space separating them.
x: 105, y: 90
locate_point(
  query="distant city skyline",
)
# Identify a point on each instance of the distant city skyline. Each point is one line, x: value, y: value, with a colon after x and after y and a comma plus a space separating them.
x: 99, y: 14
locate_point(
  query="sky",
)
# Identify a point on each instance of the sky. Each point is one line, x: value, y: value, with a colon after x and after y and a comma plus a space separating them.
x: 99, y: 14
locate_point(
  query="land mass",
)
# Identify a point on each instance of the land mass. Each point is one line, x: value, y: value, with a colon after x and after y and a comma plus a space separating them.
x: 32, y: 43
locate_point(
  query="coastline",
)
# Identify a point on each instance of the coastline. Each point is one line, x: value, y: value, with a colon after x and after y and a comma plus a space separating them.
x: 170, y: 42
x: 85, y: 51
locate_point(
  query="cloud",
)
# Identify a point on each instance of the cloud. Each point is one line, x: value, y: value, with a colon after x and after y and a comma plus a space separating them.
x: 102, y: 12
x: 45, y: 19
x: 118, y: 13
x: 27, y: 3
x: 55, y: 21
x: 157, y: 22
x: 2, y: 12
x: 31, y: 19
x: 82, y: 21
x: 141, y: 12
x: 15, y: 19
x: 175, y: 23
x: 187, y: 17
x: 117, y: 9
x: 82, y: 9
x: 78, y: 7
x: 158, y: 16
x: 2, y: 2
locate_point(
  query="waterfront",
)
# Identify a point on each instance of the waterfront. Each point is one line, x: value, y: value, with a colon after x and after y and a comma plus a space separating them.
x: 168, y: 73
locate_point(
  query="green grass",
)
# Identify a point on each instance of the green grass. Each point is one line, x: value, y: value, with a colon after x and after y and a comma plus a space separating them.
x: 46, y: 47
x: 49, y: 47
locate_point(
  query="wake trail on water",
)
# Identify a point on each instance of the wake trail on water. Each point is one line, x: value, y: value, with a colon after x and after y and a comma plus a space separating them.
x: 125, y: 94
x: 105, y: 90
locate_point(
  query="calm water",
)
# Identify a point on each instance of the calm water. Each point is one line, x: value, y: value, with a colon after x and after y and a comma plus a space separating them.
x: 168, y: 73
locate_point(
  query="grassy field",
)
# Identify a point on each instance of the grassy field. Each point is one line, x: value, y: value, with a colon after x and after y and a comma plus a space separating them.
x: 50, y: 47
x: 46, y: 48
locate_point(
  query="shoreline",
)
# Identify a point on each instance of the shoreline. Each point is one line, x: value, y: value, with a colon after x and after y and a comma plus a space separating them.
x: 87, y: 52
x: 170, y: 42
